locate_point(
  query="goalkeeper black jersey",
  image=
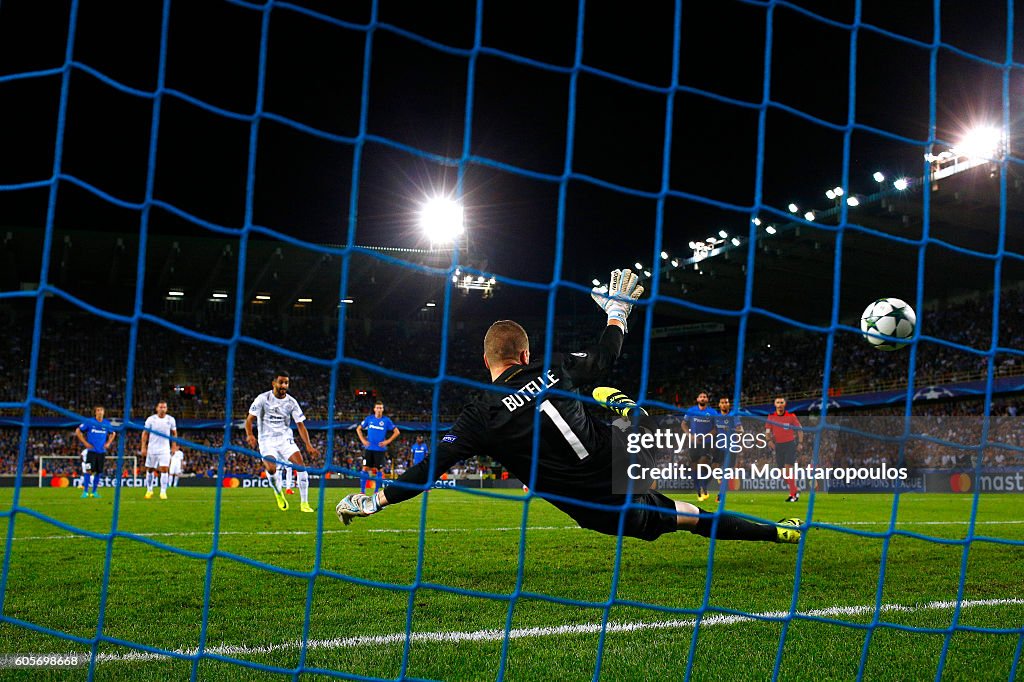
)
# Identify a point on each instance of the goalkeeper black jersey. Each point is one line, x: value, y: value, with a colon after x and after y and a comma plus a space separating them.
x: 574, y: 449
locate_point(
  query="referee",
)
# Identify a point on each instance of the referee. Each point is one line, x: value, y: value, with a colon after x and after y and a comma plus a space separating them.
x: 575, y: 449
x: 97, y: 435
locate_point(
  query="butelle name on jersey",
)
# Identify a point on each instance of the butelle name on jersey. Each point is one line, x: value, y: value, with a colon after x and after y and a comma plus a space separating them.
x: 532, y: 388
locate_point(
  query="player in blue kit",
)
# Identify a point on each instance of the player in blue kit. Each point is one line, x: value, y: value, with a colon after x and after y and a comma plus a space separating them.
x: 420, y: 450
x: 376, y: 441
x: 724, y: 425
x: 699, y: 421
x: 97, y: 435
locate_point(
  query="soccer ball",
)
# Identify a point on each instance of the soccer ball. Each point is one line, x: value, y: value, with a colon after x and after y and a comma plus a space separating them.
x: 889, y: 316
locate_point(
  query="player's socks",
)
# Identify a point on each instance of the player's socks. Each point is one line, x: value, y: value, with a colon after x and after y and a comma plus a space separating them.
x: 303, y: 487
x: 163, y: 483
x: 288, y: 479
x: 731, y: 527
x: 86, y: 478
x: 616, y: 401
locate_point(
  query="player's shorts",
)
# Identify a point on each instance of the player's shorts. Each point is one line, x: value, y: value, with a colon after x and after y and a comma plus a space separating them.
x: 641, y: 521
x: 375, y: 459
x: 785, y: 454
x: 155, y: 460
x: 278, y: 450
x: 699, y: 452
x: 175, y: 468
x: 95, y: 460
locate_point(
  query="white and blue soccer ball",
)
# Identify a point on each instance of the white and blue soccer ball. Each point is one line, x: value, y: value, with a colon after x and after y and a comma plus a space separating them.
x: 891, y: 317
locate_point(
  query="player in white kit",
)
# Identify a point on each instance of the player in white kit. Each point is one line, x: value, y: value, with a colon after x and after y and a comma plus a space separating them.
x: 273, y: 413
x: 177, y: 460
x: 156, y: 448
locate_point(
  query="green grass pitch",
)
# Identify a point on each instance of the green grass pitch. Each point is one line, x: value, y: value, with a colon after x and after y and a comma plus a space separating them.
x: 155, y: 596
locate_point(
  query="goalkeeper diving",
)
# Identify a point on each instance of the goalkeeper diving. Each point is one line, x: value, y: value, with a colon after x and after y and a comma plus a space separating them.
x: 574, y: 456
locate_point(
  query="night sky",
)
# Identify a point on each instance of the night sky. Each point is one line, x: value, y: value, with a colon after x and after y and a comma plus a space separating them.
x: 417, y: 98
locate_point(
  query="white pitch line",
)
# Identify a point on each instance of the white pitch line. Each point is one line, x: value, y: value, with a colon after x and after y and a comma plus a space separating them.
x: 209, y: 533
x: 715, y: 619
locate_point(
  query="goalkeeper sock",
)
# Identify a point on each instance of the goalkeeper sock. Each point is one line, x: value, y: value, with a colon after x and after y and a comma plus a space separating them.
x: 732, y: 527
x: 303, y: 486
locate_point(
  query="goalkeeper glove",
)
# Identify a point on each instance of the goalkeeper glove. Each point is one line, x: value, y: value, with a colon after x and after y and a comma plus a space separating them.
x: 356, y: 504
x: 615, y: 299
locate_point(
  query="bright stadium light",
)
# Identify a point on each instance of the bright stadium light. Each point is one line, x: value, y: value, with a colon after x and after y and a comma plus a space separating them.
x: 770, y: 229
x: 664, y: 255
x: 838, y: 191
x: 878, y: 176
x: 175, y: 292
x: 852, y: 201
x: 347, y: 300
x: 735, y: 241
x: 431, y: 304
x: 262, y: 297
x: 638, y: 266
x: 305, y: 300
x: 675, y: 262
x: 723, y: 234
x: 596, y: 282
x: 647, y: 273
x: 219, y: 294
x: 756, y: 221
x: 809, y: 216
x: 983, y: 142
x: 830, y: 194
x: 793, y: 208
x: 441, y: 220
x: 901, y: 184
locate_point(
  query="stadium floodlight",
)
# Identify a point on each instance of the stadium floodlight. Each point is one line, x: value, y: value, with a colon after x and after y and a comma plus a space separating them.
x: 638, y: 266
x: 262, y: 297
x: 596, y: 282
x: 441, y: 220
x: 692, y: 245
x: 830, y: 194
x: 838, y: 191
x: 710, y: 240
x: 735, y: 241
x: 675, y: 262
x: 219, y: 294
x: 901, y: 184
x: 852, y: 201
x: 431, y: 304
x: 878, y: 176
x: 723, y: 234
x: 305, y: 300
x: 455, y: 278
x: 793, y: 208
x: 347, y: 300
x: 756, y: 221
x: 492, y: 280
x: 983, y: 142
x: 770, y: 229
x: 809, y: 216
x: 647, y: 273
x: 664, y: 255
x: 175, y: 292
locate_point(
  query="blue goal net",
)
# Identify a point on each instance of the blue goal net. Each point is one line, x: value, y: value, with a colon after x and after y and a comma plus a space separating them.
x: 584, y: 140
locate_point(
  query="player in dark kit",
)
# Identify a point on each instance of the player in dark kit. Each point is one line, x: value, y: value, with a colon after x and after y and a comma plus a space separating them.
x: 575, y: 451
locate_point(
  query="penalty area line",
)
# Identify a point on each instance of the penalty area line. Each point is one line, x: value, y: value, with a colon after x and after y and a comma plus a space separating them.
x: 715, y: 619
x: 208, y: 533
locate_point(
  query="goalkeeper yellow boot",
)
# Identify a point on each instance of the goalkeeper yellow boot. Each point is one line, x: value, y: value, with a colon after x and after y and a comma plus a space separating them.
x: 788, y: 531
x: 616, y: 401
x: 304, y: 507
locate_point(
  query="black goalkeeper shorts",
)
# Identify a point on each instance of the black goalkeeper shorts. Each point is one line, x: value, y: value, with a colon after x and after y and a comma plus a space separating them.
x: 641, y: 521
